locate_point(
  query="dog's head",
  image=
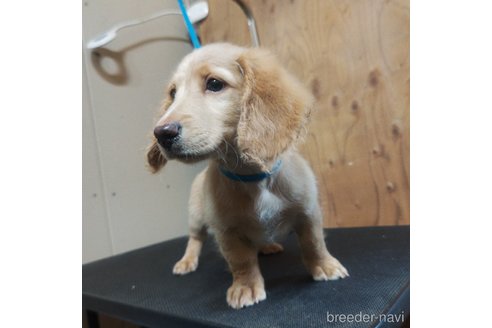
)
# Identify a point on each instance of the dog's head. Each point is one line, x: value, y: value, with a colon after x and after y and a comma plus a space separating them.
x: 223, y: 95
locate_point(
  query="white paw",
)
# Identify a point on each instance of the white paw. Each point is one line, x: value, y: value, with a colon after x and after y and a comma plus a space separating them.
x: 329, y: 269
x: 239, y: 295
x: 185, y: 266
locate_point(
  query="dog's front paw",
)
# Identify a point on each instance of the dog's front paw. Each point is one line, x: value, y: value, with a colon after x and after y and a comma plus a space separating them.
x: 329, y: 269
x: 185, y: 265
x: 240, y: 295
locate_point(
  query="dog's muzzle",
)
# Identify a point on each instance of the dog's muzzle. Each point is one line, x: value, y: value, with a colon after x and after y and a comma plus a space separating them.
x: 167, y: 134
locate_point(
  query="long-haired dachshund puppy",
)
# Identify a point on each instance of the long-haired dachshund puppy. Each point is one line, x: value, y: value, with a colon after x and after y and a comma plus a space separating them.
x: 240, y: 110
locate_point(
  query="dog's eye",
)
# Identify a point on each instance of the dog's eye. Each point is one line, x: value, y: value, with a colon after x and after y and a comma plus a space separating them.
x: 172, y: 93
x: 214, y: 85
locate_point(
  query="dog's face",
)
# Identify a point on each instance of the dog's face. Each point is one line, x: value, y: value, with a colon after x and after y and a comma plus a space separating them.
x: 226, y: 95
x: 201, y: 108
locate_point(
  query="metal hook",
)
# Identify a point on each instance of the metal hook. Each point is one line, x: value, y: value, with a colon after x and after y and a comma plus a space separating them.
x: 251, y: 22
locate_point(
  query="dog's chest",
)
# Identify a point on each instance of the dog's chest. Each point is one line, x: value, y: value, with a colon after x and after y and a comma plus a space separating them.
x: 268, y: 206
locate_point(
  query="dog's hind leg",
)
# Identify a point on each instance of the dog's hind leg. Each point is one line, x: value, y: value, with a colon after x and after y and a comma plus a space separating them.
x: 272, y: 248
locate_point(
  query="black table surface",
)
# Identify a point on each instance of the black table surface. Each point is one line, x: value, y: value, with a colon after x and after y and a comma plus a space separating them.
x: 139, y: 286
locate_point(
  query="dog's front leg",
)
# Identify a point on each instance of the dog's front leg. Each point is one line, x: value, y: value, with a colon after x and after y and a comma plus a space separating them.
x: 321, y: 264
x: 247, y: 287
x: 198, y: 229
x: 189, y: 261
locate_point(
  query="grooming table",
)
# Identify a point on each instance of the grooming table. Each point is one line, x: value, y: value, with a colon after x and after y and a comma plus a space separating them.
x: 139, y: 286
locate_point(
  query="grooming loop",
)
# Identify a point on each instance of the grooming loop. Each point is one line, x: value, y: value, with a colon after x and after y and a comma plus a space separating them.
x: 247, y: 12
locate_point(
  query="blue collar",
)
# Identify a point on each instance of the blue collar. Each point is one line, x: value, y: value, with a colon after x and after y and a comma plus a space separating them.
x: 251, y: 177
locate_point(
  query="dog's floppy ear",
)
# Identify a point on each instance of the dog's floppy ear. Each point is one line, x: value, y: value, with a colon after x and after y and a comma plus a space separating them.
x: 275, y: 108
x: 155, y: 159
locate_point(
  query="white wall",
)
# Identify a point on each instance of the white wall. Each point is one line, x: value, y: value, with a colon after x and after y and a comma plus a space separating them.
x: 124, y: 206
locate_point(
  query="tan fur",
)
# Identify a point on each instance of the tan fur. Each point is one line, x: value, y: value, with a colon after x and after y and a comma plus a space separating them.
x: 272, y: 248
x: 274, y: 107
x: 155, y: 158
x: 254, y: 121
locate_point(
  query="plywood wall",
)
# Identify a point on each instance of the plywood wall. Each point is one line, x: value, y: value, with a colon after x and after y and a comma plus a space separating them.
x: 354, y: 55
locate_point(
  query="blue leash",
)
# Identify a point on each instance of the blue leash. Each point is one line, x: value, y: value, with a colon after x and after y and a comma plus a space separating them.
x: 189, y: 26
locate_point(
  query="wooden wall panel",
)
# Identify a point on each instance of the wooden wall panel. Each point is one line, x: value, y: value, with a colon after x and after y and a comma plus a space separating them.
x: 354, y: 55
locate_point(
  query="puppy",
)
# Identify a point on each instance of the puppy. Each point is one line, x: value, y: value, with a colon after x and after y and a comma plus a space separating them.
x: 240, y: 110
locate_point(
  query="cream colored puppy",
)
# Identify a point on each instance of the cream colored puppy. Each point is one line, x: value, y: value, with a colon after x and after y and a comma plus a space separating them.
x: 243, y: 112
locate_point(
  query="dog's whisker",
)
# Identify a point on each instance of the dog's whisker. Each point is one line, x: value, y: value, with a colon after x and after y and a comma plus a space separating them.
x: 221, y: 155
x: 235, y: 152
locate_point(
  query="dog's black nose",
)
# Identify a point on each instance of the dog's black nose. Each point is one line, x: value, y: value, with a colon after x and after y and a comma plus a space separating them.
x: 167, y: 134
